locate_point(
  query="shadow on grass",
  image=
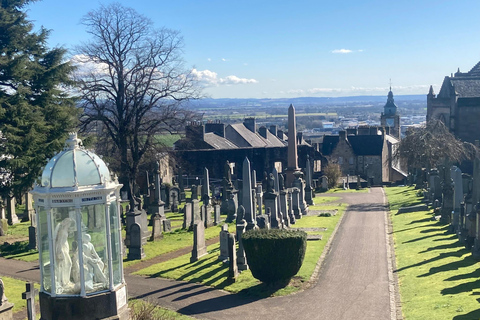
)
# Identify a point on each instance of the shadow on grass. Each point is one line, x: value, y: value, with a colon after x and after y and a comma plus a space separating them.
x: 452, y: 265
x: 475, y: 274
x: 458, y: 253
x: 422, y: 220
x: 463, y: 287
x: 443, y: 246
x: 453, y: 236
x: 15, y: 250
x: 468, y: 316
x: 408, y: 229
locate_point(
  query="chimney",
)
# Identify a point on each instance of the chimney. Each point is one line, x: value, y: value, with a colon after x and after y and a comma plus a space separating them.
x: 263, y: 132
x: 299, y: 138
x: 342, y: 135
x: 215, y: 127
x: 195, y: 131
x: 273, y: 130
x: 373, y: 131
x: 363, y: 131
x: 280, y: 135
x: 352, y: 131
x: 250, y: 124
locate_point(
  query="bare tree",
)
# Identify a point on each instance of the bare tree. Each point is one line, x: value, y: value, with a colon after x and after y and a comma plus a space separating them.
x: 428, y: 145
x: 133, y: 83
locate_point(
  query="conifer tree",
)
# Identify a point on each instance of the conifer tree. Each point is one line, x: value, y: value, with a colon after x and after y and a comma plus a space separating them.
x: 36, y: 112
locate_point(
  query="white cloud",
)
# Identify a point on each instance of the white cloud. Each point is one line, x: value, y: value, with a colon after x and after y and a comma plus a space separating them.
x: 210, y: 78
x: 223, y: 59
x: 346, y: 51
x: 209, y: 59
x: 341, y: 51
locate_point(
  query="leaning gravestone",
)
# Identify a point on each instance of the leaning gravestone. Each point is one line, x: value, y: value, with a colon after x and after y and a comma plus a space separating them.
x: 6, y: 308
x: 224, y: 243
x: 199, y: 248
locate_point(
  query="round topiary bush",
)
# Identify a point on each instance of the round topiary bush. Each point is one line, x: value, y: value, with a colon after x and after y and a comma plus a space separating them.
x: 274, y: 255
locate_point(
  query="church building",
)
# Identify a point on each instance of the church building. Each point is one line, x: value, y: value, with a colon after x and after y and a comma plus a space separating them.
x: 458, y: 104
x: 390, y: 118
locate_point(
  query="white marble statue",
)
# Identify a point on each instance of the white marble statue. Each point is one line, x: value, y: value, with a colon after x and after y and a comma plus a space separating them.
x: 3, y: 298
x: 93, y: 263
x: 63, y: 262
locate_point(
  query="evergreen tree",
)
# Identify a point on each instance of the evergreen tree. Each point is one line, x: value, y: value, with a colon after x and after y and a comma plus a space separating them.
x: 36, y: 113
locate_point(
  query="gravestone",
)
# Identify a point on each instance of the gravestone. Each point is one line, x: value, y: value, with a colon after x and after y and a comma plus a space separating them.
x: 29, y: 212
x: 224, y: 243
x: 447, y: 196
x: 216, y: 215
x: 263, y: 221
x: 456, y: 174
x: 290, y: 213
x: 12, y: 217
x: 300, y: 184
x: 270, y: 197
x: 156, y: 228
x: 194, y: 192
x: 32, y: 237
x: 467, y: 190
x: 199, y: 248
x: 206, y: 187
x: 247, y: 196
x: 187, y: 216
x: 324, y: 183
x: 296, y: 203
x: 29, y: 295
x: 241, y: 226
x: 6, y: 308
x: 231, y: 209
x: 280, y: 213
x: 167, y: 225
x: 308, y: 183
x: 181, y: 185
x: 196, y: 213
x: 232, y: 257
x: 174, y: 194
x: 135, y: 245
x: 284, y: 208
x: 259, y: 197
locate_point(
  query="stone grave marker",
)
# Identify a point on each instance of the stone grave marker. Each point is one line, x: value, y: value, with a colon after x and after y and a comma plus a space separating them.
x: 232, y: 269
x: 167, y: 225
x: 325, y: 183
x: 206, y: 187
x: 259, y: 197
x: 29, y: 212
x: 224, y: 243
x: 296, y: 203
x: 187, y: 216
x: 216, y: 215
x: 291, y: 216
x: 308, y: 182
x: 11, y: 215
x: 231, y: 209
x: 156, y: 228
x: 271, y: 203
x: 263, y: 221
x: 456, y: 174
x: 241, y: 226
x: 135, y: 247
x: 6, y: 308
x: 29, y: 295
x: 196, y: 216
x: 199, y: 248
x: 300, y: 184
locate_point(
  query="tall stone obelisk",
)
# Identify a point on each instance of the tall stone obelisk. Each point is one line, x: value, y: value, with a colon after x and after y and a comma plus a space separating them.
x: 292, y: 146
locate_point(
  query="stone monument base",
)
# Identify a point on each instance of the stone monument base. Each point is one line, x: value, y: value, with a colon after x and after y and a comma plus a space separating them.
x: 110, y: 305
x: 6, y: 311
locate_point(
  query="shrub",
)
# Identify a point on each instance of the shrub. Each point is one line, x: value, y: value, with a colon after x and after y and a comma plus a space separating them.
x: 274, y: 255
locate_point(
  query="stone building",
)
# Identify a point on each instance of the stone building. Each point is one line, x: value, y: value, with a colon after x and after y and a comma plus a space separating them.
x: 210, y: 145
x: 390, y: 117
x: 458, y: 104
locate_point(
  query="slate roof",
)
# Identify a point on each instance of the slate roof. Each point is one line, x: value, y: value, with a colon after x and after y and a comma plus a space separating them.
x: 218, y: 142
x: 253, y: 139
x: 366, y: 145
x: 466, y: 87
x: 362, y: 145
x: 272, y: 140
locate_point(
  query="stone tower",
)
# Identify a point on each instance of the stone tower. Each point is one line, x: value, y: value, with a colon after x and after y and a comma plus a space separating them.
x: 390, y: 118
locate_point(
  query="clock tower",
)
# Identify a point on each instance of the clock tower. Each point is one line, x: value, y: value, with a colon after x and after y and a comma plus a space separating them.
x: 390, y: 117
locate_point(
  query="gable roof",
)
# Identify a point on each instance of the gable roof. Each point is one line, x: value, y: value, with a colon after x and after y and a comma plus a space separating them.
x: 366, y: 145
x: 217, y: 142
x: 329, y: 144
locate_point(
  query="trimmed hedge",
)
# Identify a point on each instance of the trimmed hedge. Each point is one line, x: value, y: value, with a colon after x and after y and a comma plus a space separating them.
x: 276, y: 254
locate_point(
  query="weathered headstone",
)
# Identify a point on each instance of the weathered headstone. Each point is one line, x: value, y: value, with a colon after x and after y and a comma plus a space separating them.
x: 196, y: 216
x: 206, y: 187
x: 199, y: 248
x: 135, y: 245
x: 6, y: 308
x: 271, y: 203
x: 224, y: 243
x: 308, y: 183
x: 259, y: 197
x: 156, y: 228
x: 447, y: 195
x: 324, y: 183
x: 232, y: 257
x: 231, y: 209
x: 280, y: 213
x: 29, y: 295
x: 263, y: 221
x: 241, y: 226
x: 467, y: 190
x: 11, y: 215
x: 216, y: 215
x: 296, y: 203
x: 167, y: 225
x: 181, y: 185
x: 29, y: 212
x: 300, y: 184
x: 174, y: 193
x: 187, y: 216
x: 456, y: 174
x: 247, y: 196
x: 194, y: 192
x: 290, y: 213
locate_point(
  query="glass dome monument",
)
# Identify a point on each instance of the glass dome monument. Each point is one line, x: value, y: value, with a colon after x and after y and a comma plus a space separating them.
x: 79, y: 238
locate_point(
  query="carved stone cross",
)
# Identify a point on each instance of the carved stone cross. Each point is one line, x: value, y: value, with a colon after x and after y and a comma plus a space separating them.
x: 29, y: 295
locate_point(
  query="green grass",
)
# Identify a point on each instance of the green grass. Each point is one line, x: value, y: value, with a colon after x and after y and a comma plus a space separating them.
x: 19, y: 251
x: 15, y: 232
x: 209, y: 271
x: 173, y: 241
x: 438, y: 277
x: 149, y: 310
x: 167, y: 139
x: 13, y: 292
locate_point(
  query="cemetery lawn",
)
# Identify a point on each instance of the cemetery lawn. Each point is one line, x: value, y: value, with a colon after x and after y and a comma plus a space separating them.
x: 173, y: 241
x: 145, y: 310
x: 14, y: 245
x: 211, y: 272
x: 13, y: 292
x: 438, y: 277
x: 341, y: 190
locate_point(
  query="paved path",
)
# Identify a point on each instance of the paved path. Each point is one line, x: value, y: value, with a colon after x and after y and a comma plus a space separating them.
x: 353, y: 282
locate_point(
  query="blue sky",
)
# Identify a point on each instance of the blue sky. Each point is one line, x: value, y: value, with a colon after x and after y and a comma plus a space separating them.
x: 280, y: 49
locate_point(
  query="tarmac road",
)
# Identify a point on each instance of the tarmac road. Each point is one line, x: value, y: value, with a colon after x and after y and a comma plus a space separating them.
x: 355, y: 280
